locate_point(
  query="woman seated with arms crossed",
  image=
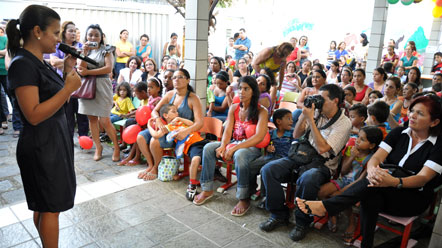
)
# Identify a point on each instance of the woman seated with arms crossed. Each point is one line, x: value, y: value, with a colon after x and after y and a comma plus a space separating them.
x: 247, y: 112
x: 416, y: 149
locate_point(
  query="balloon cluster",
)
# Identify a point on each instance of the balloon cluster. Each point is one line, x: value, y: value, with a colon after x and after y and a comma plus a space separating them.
x: 142, y: 116
x: 437, y: 10
x: 404, y: 2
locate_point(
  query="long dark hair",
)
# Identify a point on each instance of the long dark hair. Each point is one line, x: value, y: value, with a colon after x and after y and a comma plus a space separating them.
x: 97, y: 27
x: 253, y: 108
x: 418, y: 75
x: 33, y: 15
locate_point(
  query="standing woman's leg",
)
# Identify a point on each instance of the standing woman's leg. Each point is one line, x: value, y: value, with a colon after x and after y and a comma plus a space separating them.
x: 49, y: 229
x: 112, y: 133
x: 95, y: 131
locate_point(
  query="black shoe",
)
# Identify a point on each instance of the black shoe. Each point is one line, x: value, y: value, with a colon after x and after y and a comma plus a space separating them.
x: 191, y: 192
x: 272, y: 223
x: 262, y: 203
x: 219, y: 177
x: 297, y: 233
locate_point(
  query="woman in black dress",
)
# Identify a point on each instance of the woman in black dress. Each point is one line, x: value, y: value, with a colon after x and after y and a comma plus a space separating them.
x: 45, y: 151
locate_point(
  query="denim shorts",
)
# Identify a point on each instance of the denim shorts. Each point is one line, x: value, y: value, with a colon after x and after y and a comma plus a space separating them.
x: 163, y: 142
x: 341, y: 182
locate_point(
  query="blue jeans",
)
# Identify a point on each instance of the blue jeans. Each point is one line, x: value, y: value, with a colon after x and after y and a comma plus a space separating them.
x: 307, y: 187
x: 16, y: 119
x: 242, y: 158
x: 115, y: 118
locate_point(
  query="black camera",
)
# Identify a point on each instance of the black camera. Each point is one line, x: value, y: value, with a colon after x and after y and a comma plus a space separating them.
x: 318, y: 100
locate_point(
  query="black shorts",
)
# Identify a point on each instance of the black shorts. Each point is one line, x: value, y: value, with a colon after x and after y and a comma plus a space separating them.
x: 196, y: 149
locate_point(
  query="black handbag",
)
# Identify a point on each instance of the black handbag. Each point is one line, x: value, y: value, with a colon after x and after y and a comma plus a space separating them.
x: 397, y: 171
x: 303, y: 153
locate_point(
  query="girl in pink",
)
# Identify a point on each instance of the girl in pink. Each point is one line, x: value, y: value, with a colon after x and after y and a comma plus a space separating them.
x: 154, y: 89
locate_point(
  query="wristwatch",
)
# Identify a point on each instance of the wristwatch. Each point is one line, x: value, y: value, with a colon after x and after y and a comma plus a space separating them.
x: 399, y: 186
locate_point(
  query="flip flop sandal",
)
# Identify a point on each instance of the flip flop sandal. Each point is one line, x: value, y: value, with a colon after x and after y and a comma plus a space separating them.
x: 142, y: 174
x: 348, y: 238
x: 151, y: 175
x: 133, y: 163
x: 123, y: 163
x: 205, y: 198
x: 240, y: 214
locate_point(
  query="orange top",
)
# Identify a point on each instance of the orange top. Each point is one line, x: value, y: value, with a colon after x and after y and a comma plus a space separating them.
x: 191, y: 139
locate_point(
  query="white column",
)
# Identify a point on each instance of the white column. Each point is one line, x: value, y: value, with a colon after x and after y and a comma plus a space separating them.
x: 377, y: 34
x: 433, y: 44
x: 196, y: 46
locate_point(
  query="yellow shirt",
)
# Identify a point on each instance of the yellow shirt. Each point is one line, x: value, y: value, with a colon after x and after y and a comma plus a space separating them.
x: 125, y: 106
x: 124, y: 47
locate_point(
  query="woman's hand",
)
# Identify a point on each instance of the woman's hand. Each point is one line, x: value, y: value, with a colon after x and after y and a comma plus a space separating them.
x: 182, y: 133
x: 228, y: 154
x: 219, y: 152
x: 72, y: 81
x: 175, y: 120
x: 83, y: 71
x: 160, y: 125
x: 383, y: 179
x: 69, y: 63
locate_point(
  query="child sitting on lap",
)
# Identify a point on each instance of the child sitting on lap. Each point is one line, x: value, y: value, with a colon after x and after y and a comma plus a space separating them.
x: 192, y: 145
x: 353, y: 167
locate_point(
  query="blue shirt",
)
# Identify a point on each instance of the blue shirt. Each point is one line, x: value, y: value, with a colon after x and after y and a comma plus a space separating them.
x: 281, y: 144
x: 246, y: 42
x: 339, y: 53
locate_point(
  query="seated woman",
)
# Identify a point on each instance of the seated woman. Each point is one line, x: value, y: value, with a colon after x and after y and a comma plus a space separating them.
x: 379, y: 77
x: 362, y: 90
x: 150, y: 70
x: 132, y: 73
x: 242, y: 70
x: 392, y: 88
x: 416, y: 149
x: 414, y: 76
x: 407, y: 93
x: 292, y: 82
x: 332, y: 74
x: 220, y: 107
x: 189, y: 107
x: 247, y: 112
x: 264, y: 89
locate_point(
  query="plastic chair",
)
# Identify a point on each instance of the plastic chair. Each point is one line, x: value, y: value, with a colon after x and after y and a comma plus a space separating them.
x: 288, y: 105
x: 290, y: 97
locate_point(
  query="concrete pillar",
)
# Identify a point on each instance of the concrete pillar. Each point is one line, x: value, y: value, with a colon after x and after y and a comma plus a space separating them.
x: 377, y: 34
x: 433, y: 44
x: 196, y: 47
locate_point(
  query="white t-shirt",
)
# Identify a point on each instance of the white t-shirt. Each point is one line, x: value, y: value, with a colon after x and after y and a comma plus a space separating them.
x: 136, y: 76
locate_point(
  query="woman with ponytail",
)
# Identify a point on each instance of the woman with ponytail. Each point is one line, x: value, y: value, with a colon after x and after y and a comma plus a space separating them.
x: 45, y: 151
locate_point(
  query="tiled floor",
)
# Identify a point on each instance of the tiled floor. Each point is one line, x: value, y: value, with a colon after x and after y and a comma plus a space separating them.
x: 115, y: 209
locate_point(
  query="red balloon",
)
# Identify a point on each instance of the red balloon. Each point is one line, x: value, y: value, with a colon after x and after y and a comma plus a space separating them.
x: 130, y: 133
x: 351, y: 142
x: 250, y: 130
x: 439, y: 3
x: 265, y: 142
x: 143, y: 115
x: 236, y: 99
x: 85, y: 142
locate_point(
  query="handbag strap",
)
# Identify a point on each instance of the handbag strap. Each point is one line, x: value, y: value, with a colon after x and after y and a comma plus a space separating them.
x: 328, y: 124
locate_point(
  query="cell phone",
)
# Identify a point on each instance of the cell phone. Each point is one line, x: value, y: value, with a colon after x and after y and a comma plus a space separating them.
x: 92, y: 44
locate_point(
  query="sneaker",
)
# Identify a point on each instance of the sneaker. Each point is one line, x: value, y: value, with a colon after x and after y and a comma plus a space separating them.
x: 298, y: 233
x: 191, y: 192
x: 272, y: 223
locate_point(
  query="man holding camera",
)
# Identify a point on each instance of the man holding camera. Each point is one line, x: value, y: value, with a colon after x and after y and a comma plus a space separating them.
x: 313, y: 159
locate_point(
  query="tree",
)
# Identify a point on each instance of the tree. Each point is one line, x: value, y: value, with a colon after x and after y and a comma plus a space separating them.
x: 180, y: 6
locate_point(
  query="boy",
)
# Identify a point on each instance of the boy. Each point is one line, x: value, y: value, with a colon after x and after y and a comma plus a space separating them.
x: 401, y: 74
x: 378, y: 114
x: 173, y: 52
x: 192, y: 145
x: 358, y: 115
x: 438, y: 66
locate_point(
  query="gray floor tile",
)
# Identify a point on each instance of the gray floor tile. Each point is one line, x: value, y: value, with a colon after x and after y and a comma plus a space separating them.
x: 28, y: 244
x: 120, y: 199
x: 139, y: 213
x: 98, y: 175
x: 14, y: 196
x: 73, y: 236
x: 193, y: 215
x: 251, y: 240
x: 189, y: 239
x: 5, y: 185
x: 13, y: 235
x: 81, y: 179
x: 30, y: 227
x: 91, y: 245
x: 86, y: 211
x: 103, y: 225
x: 127, y: 238
x: 170, y: 202
x: 9, y: 170
x: 87, y: 164
x: 221, y: 236
x: 148, y: 191
x: 161, y: 229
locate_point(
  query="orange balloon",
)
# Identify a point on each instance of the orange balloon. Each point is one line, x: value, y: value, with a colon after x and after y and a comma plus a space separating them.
x: 130, y: 133
x: 85, y: 142
x: 265, y: 142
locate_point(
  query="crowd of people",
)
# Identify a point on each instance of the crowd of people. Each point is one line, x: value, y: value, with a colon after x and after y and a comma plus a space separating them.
x: 333, y: 145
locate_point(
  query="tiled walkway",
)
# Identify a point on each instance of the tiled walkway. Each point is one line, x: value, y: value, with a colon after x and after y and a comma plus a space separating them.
x: 114, y: 209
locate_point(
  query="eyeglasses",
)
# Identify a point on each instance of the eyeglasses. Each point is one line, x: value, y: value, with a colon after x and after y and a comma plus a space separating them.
x: 178, y: 77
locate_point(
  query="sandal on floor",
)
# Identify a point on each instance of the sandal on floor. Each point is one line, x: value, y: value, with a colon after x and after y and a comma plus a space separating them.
x: 150, y: 176
x: 348, y: 238
x: 123, y: 163
x: 307, y: 207
x: 198, y: 197
x: 16, y: 134
x: 240, y: 214
x: 142, y: 174
x: 333, y: 227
